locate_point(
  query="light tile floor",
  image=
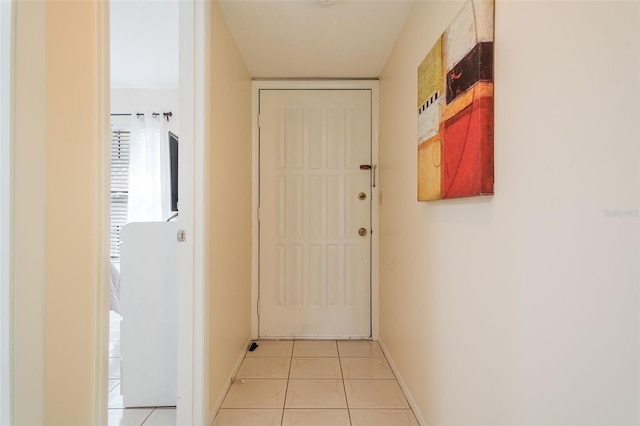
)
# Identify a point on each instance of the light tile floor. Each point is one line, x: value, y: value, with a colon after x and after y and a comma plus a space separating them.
x: 118, y: 415
x: 315, y: 383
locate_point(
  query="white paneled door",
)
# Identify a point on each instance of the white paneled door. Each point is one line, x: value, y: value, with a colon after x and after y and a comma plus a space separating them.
x: 315, y: 213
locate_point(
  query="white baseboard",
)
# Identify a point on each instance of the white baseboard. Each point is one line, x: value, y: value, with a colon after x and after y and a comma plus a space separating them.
x: 223, y: 394
x: 403, y: 385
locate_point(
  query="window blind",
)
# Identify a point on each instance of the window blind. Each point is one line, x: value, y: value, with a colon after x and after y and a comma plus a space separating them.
x: 120, y: 159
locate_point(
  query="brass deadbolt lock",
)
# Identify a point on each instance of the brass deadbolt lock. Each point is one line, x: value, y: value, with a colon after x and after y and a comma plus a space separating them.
x: 362, y: 232
x: 362, y: 196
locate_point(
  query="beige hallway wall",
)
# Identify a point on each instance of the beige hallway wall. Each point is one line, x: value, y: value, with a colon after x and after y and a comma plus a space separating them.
x: 56, y: 212
x: 521, y: 308
x: 229, y: 206
x: 28, y: 209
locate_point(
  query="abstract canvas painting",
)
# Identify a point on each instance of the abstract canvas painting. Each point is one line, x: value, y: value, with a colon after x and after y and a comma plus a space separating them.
x: 455, y: 108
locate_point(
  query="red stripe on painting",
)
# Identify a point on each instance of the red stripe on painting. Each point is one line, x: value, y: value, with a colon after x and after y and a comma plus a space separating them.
x: 467, y: 151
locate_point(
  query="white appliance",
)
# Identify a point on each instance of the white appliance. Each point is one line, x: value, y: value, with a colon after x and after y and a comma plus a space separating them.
x: 149, y: 308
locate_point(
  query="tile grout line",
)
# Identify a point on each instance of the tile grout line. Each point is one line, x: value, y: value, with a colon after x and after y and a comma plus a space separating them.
x: 344, y: 386
x: 286, y: 391
x: 147, y: 418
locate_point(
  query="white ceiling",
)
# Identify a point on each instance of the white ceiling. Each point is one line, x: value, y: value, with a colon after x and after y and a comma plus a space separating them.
x: 306, y: 38
x: 144, y: 44
x: 276, y: 38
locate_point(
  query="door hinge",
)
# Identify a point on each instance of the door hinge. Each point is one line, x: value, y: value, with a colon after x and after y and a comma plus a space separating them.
x: 258, y: 121
x: 258, y: 214
x: 258, y: 307
x: 181, y: 236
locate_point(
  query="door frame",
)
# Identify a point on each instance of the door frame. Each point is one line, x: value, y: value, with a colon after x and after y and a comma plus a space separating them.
x: 193, y: 329
x: 193, y: 295
x: 6, y: 73
x: 259, y: 85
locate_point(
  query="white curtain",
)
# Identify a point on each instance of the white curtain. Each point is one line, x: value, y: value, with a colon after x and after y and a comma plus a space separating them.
x: 149, y: 179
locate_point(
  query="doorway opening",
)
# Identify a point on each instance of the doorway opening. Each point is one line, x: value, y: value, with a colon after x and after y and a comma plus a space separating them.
x: 142, y: 383
x: 190, y: 26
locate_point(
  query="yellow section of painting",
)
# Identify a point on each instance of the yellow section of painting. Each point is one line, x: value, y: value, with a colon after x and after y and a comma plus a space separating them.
x: 429, y: 173
x: 481, y: 89
x: 430, y: 74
